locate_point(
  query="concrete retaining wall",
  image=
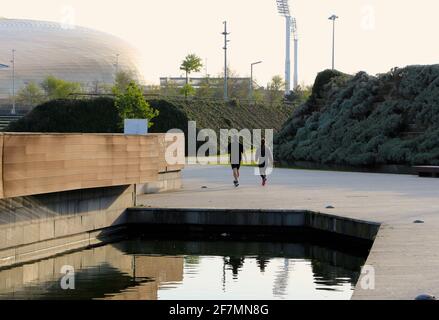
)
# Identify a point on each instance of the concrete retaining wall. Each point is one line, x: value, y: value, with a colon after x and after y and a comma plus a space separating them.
x: 33, y: 227
x: 166, y: 181
x: 254, y: 218
x: 38, y: 226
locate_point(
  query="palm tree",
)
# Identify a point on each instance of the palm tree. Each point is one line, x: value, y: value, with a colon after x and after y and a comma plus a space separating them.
x: 192, y: 63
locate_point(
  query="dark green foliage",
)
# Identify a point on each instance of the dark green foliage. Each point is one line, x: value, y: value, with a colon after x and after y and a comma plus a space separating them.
x: 363, y: 120
x: 131, y: 104
x: 88, y: 116
x: 322, y: 79
x: 101, y: 116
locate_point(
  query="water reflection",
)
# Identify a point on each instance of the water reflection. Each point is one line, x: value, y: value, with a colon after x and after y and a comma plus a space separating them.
x: 150, y: 270
x: 262, y: 262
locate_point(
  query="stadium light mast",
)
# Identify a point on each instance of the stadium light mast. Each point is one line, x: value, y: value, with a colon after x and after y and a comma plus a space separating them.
x: 290, y: 27
x: 296, y: 53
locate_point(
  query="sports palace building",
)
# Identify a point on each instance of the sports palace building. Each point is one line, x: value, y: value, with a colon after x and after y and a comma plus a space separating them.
x: 71, y: 53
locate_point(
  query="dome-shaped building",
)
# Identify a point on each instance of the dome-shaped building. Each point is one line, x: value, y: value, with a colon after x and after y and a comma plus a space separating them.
x: 74, y: 54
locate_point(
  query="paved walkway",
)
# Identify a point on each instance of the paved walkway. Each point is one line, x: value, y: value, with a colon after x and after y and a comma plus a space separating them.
x: 405, y: 255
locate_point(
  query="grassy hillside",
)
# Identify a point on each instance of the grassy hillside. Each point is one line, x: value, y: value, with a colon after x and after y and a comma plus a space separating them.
x: 217, y: 115
x: 100, y: 116
x: 364, y: 120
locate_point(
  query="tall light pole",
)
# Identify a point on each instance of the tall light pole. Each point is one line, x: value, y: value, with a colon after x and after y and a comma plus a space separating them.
x: 333, y: 18
x: 288, y: 55
x: 225, y: 33
x: 251, y: 78
x: 290, y: 27
x: 296, y: 53
x: 13, y: 81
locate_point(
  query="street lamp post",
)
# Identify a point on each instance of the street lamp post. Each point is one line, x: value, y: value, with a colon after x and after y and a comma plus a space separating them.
x: 225, y: 34
x: 13, y: 81
x: 333, y: 18
x: 251, y: 78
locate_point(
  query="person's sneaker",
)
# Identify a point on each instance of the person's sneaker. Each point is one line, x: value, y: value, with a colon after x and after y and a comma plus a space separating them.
x: 236, y: 183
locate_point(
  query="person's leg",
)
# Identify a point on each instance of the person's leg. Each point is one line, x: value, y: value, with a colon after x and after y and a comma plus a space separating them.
x: 235, y: 174
x: 263, y: 174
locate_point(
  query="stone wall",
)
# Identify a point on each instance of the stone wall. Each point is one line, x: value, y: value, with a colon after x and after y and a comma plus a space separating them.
x: 45, y: 163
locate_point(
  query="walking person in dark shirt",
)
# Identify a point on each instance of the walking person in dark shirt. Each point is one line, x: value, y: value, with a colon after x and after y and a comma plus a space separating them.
x: 235, y: 149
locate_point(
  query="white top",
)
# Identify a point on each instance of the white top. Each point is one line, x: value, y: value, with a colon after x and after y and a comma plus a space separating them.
x: 268, y: 156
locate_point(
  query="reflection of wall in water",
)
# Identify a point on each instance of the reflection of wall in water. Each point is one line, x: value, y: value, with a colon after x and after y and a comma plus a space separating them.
x: 331, y: 265
x: 46, y: 273
x: 161, y: 269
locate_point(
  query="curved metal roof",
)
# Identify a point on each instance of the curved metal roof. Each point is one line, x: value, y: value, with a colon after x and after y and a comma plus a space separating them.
x: 48, y: 48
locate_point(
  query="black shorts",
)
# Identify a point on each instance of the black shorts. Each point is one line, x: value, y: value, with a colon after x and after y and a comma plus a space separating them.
x: 236, y: 166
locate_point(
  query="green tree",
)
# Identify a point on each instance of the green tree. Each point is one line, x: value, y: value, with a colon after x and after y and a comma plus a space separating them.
x: 205, y: 90
x: 131, y: 104
x: 237, y: 88
x: 300, y: 94
x: 192, y: 63
x: 123, y: 80
x: 31, y: 94
x: 275, y: 93
x: 59, y: 89
x: 187, y: 90
x: 259, y: 95
x: 276, y: 84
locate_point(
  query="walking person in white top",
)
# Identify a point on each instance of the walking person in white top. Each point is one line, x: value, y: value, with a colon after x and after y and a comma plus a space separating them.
x: 264, y: 159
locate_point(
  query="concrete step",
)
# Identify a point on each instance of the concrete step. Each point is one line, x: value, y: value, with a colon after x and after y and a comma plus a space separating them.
x: 6, y: 120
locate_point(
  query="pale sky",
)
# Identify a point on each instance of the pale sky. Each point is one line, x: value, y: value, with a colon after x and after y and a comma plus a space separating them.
x: 372, y: 35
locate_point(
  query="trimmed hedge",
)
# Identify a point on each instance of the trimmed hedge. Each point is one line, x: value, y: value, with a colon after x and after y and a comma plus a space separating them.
x: 89, y: 116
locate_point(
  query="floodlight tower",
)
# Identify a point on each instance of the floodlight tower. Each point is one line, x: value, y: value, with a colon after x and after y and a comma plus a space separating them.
x: 291, y: 27
x: 296, y: 52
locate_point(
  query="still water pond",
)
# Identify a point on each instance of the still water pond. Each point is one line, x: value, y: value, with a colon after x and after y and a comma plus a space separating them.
x: 180, y: 270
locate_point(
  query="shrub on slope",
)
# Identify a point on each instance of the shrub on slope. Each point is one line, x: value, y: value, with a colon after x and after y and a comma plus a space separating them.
x: 365, y: 120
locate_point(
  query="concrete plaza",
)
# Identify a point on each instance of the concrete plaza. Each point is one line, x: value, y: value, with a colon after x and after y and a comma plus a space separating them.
x: 405, y: 255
